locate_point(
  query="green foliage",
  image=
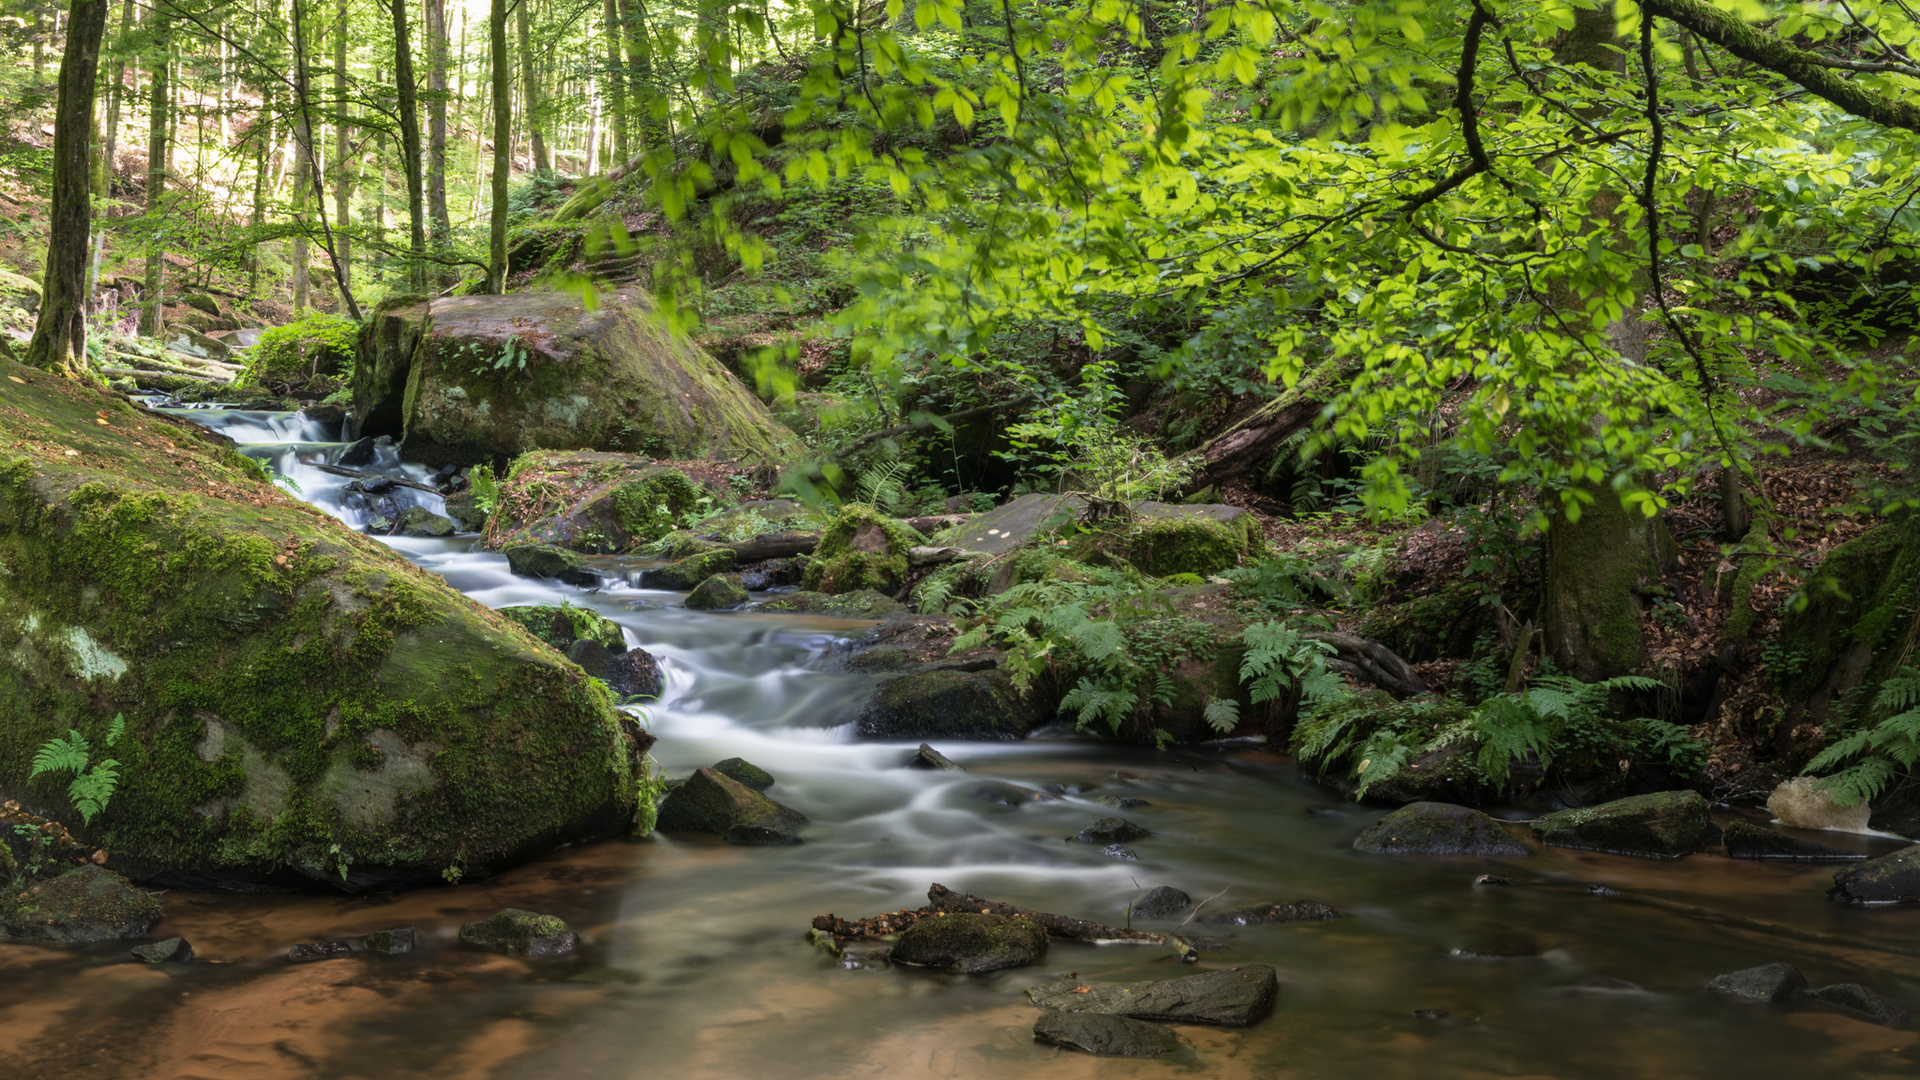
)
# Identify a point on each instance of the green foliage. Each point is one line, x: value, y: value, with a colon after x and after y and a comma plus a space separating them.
x: 93, y: 782
x: 485, y: 487
x: 1866, y: 761
x: 1282, y: 664
x: 292, y: 356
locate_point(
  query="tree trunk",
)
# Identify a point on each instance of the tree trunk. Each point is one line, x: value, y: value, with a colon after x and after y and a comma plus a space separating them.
x: 157, y: 100
x: 342, y: 178
x: 616, y: 81
x: 639, y: 71
x: 436, y: 29
x: 502, y: 148
x: 110, y: 141
x: 410, y: 141
x: 60, y: 337
x: 263, y: 146
x: 593, y: 132
x: 310, y: 160
x: 530, y: 91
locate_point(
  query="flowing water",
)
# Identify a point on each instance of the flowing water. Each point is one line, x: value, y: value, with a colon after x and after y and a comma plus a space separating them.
x: 694, y: 965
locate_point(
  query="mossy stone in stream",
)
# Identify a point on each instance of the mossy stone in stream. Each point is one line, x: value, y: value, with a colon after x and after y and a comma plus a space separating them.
x: 173, y: 950
x: 1274, y: 914
x: 1107, y: 1036
x: 1434, y: 828
x: 862, y: 549
x: 1745, y: 840
x: 1163, y: 902
x: 547, y: 561
x: 947, y: 705
x: 710, y: 801
x: 1232, y: 996
x: 1109, y: 830
x: 1889, y: 879
x: 303, y: 706
x: 1760, y: 985
x: 684, y: 574
x: 521, y: 933
x: 1659, y: 825
x: 421, y: 522
x: 859, y: 604
x: 80, y: 907
x: 595, y: 503
x: 1861, y: 1001
x: 745, y: 773
x: 721, y: 592
x: 970, y: 944
x: 464, y: 508
x: 560, y: 625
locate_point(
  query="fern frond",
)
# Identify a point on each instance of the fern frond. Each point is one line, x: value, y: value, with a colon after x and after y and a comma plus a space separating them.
x: 1509, y: 729
x: 1222, y: 714
x: 91, y: 790
x: 62, y: 755
x: 1380, y: 762
x: 1862, y: 782
x: 1901, y: 692
x: 116, y: 729
x: 1090, y: 701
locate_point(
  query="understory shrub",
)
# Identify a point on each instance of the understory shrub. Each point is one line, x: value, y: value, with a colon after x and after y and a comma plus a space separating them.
x: 293, y: 356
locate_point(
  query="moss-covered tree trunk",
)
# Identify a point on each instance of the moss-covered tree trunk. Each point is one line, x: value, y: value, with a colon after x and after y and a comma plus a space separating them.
x: 157, y: 101
x: 1597, y: 570
x: 60, y: 337
x: 410, y: 135
x: 502, y: 149
x: 530, y: 89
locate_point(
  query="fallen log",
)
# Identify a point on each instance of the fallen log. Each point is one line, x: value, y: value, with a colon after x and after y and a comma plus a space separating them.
x: 161, y: 380
x: 946, y: 901
x: 781, y: 545
x: 1252, y: 440
x: 933, y: 523
x: 356, y: 474
x: 1367, y: 659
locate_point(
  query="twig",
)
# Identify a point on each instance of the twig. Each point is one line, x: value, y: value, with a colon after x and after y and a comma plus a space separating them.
x: 1201, y: 904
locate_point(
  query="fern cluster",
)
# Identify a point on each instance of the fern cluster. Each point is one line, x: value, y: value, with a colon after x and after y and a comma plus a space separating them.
x: 93, y: 782
x: 1870, y: 759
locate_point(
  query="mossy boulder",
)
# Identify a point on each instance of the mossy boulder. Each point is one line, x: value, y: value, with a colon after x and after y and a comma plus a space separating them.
x: 590, y: 502
x: 18, y: 290
x: 560, y: 625
x: 1889, y: 879
x: 721, y: 592
x: 859, y: 604
x: 760, y: 516
x: 710, y: 801
x: 1155, y: 535
x: 682, y: 575
x: 862, y: 549
x: 745, y: 772
x: 547, y: 561
x: 1107, y: 1036
x: 1163, y: 545
x: 517, y: 932
x: 947, y: 705
x: 970, y: 944
x: 1658, y: 825
x: 1431, y: 828
x: 1235, y: 996
x: 483, y: 378
x: 303, y: 706
x: 420, y: 522
x: 83, y: 906
x: 1852, y: 631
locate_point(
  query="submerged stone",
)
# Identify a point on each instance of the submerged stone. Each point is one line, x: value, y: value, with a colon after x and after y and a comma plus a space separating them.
x: 1111, y: 830
x: 1745, y: 840
x: 521, y: 933
x: 745, y: 772
x: 81, y: 907
x: 970, y: 944
x: 1889, y: 879
x: 1861, y: 1001
x: 319, y: 950
x: 1234, y: 996
x: 1106, y: 1035
x: 721, y: 592
x: 1120, y: 851
x: 684, y: 574
x: 1435, y: 828
x: 1163, y: 902
x: 1268, y: 914
x: 1762, y: 985
x: 1122, y: 802
x: 1661, y: 825
x: 173, y: 950
x: 392, y: 942
x: 712, y: 802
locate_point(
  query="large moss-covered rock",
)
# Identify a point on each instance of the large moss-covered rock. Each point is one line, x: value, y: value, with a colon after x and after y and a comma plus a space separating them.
x: 971, y: 944
x: 1432, y: 828
x: 862, y: 549
x: 682, y: 575
x: 947, y: 705
x: 488, y: 377
x: 1659, y: 825
x: 560, y: 625
x: 1157, y: 535
x: 1852, y: 630
x: 1889, y: 879
x: 710, y: 801
x: 721, y: 592
x: 80, y: 907
x: 859, y: 604
x: 302, y: 704
x: 591, y: 502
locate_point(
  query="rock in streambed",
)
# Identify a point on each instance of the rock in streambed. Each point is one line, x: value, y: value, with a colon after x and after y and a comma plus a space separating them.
x: 81, y: 907
x: 970, y: 944
x: 1106, y: 1035
x: 1660, y: 825
x: 1889, y: 879
x: 1233, y: 997
x: 712, y: 802
x: 521, y: 933
x: 1434, y: 828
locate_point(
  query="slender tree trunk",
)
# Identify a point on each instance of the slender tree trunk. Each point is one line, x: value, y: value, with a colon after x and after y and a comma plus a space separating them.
x: 410, y: 141
x: 502, y: 148
x: 593, y: 133
x: 437, y: 49
x: 342, y: 131
x: 110, y: 142
x: 485, y: 94
x: 60, y: 337
x: 639, y: 73
x: 263, y: 147
x: 310, y: 164
x: 39, y: 48
x: 157, y: 100
x: 530, y: 90
x: 616, y: 82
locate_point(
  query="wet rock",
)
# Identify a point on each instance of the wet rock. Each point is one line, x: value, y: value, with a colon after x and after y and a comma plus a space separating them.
x: 712, y: 802
x: 1760, y: 985
x: 1122, y: 802
x: 419, y: 521
x: 1162, y: 903
x: 1003, y: 794
x: 173, y: 950
x: 187, y: 340
x: 769, y: 573
x: 592, y: 657
x: 1802, y: 803
x: 634, y: 673
x: 1109, y: 830
x: 1499, y: 945
x: 547, y: 561
x: 1234, y: 996
x: 464, y: 508
x: 970, y: 944
x: 392, y: 942
x: 1861, y: 1001
x: 363, y: 452
x: 683, y: 574
x: 745, y: 772
x: 1745, y: 840
x: 381, y: 525
x: 1268, y: 914
x: 752, y: 835
x: 1661, y: 825
x: 560, y: 625
x: 928, y: 758
x: 1120, y: 851
x: 858, y: 604
x: 1889, y: 879
x: 947, y: 705
x: 319, y: 950
x: 83, y: 906
x: 721, y: 592
x: 521, y: 933
x: 1108, y: 1036
x: 593, y: 503
x: 1434, y: 828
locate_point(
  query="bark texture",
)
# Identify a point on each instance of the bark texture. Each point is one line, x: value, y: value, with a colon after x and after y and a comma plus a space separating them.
x: 60, y: 338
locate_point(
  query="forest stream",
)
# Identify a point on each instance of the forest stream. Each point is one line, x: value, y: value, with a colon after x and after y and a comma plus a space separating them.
x: 694, y: 962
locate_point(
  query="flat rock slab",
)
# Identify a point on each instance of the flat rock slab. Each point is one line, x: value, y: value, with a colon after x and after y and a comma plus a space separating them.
x: 1109, y: 830
x: 81, y: 907
x: 1761, y: 985
x: 1004, y: 528
x: 947, y: 705
x: 1861, y: 1001
x: 1889, y: 879
x: 1437, y: 828
x: 517, y: 932
x: 173, y: 950
x: 1745, y: 840
x: 1108, y: 1036
x: 928, y: 758
x: 1271, y: 914
x: 1660, y: 825
x: 1234, y: 997
x: 970, y: 944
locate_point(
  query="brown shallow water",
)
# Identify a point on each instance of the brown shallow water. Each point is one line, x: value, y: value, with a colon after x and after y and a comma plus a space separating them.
x: 694, y: 967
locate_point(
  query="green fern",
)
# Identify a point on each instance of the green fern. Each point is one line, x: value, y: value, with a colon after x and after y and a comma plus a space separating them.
x: 1089, y: 701
x: 1885, y: 750
x: 1222, y: 714
x: 92, y: 785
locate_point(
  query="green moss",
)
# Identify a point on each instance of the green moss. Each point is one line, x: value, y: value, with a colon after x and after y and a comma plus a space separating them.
x: 1595, y: 569
x: 1662, y: 824
x: 650, y: 508
x: 560, y: 625
x: 682, y: 575
x: 863, y: 604
x: 862, y: 549
x: 1860, y: 599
